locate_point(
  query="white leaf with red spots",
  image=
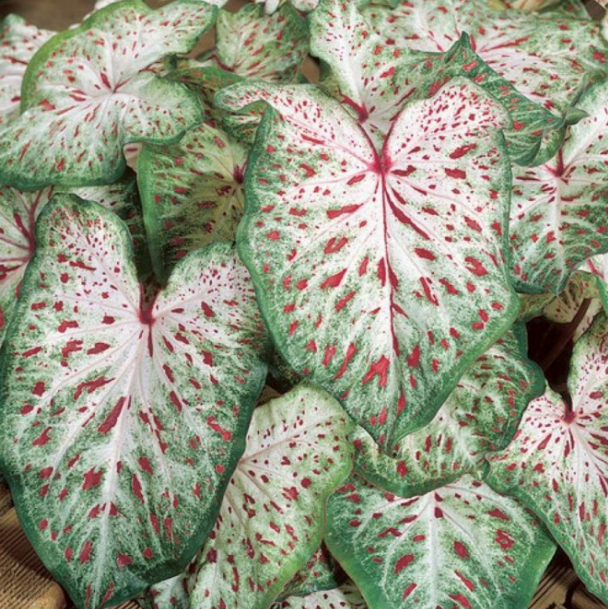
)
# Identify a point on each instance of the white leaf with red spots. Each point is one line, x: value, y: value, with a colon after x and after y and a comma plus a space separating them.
x: 255, y: 45
x: 88, y: 92
x: 547, y: 57
x: 18, y: 213
x: 559, y: 210
x: 372, y: 79
x: 192, y: 194
x: 381, y: 276
x: 18, y: 43
x: 462, y: 545
x: 480, y: 415
x: 272, y: 515
x: 122, y: 420
x: 558, y: 462
x: 347, y: 596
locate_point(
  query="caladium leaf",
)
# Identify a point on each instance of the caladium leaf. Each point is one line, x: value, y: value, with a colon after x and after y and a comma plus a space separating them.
x: 19, y: 41
x: 270, y: 6
x: 122, y: 421
x: 20, y: 211
x: 122, y: 198
x: 192, y: 194
x: 272, y: 515
x: 255, y: 45
x: 346, y: 596
x: 91, y: 84
x: 532, y: 51
x: 558, y: 214
x: 557, y: 462
x: 530, y: 5
x: 337, y: 238
x: 462, y: 545
x: 373, y: 79
x: 480, y: 415
x: 318, y: 574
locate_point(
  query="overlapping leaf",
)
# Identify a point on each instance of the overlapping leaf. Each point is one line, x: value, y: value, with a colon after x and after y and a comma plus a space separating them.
x: 462, y: 545
x: 347, y: 596
x: 558, y: 462
x: 18, y: 43
x: 480, y: 415
x: 318, y: 574
x: 380, y: 276
x: 19, y: 211
x: 559, y: 210
x: 122, y: 421
x: 272, y: 515
x: 532, y: 51
x: 255, y: 45
x: 270, y: 6
x: 88, y: 92
x: 192, y: 194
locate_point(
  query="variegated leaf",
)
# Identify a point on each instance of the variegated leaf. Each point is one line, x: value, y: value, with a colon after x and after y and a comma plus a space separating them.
x: 530, y: 5
x: 122, y: 198
x: 380, y: 276
x: 558, y: 462
x: 462, y: 545
x: 270, y: 6
x: 18, y: 213
x: 121, y: 420
x: 532, y: 51
x: 559, y: 210
x: 255, y: 45
x: 318, y: 574
x: 272, y: 515
x: 480, y: 415
x: 346, y: 596
x: 18, y: 43
x: 88, y: 92
x: 192, y: 194
x: 372, y: 79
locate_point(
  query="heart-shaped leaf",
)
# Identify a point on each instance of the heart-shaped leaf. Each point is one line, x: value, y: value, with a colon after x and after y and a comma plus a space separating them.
x: 88, y: 92
x: 272, y: 515
x: 192, y: 194
x: 462, y: 545
x: 255, y: 45
x: 479, y: 416
x: 559, y: 210
x: 17, y: 243
x: 557, y: 463
x: 18, y: 43
x: 122, y: 421
x: 380, y: 276
x: 347, y: 596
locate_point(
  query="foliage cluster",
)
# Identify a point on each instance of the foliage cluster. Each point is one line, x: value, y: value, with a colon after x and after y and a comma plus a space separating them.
x: 265, y: 340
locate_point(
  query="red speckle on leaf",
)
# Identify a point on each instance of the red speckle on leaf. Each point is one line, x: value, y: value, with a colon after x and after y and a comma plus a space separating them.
x: 85, y: 553
x: 380, y: 369
x: 461, y: 550
x: 226, y: 435
x: 403, y: 563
